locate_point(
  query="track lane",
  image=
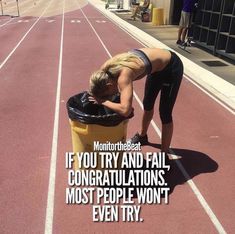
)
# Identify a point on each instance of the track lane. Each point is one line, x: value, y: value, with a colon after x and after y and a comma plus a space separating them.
x: 11, y: 35
x: 27, y: 104
x: 75, y: 73
x: 24, y: 36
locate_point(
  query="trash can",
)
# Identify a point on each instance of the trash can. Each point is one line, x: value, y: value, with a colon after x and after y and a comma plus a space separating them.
x: 92, y: 122
x: 158, y: 16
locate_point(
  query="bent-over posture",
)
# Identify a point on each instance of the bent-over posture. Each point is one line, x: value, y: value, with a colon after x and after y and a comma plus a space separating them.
x: 164, y: 72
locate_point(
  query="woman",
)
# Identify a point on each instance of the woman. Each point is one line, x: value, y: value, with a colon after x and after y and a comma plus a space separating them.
x: 164, y: 72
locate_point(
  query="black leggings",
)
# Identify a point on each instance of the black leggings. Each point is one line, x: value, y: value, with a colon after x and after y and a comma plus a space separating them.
x: 168, y: 81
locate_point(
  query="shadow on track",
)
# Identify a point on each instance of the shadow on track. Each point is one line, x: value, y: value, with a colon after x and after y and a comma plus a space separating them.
x: 194, y: 162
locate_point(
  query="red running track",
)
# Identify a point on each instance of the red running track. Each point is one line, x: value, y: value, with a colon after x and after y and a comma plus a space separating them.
x: 203, y: 140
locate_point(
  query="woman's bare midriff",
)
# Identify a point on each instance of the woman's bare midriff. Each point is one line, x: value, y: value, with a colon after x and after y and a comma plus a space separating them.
x: 158, y: 57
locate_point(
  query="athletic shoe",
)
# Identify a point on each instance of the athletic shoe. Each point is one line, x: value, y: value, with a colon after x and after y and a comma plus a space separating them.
x: 178, y: 42
x: 137, y: 138
x: 133, y: 17
x: 184, y: 44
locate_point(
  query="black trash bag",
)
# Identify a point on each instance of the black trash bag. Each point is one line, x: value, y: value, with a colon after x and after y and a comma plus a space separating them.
x: 81, y: 109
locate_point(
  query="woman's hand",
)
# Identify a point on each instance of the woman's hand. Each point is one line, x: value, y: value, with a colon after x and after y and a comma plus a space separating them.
x: 96, y: 100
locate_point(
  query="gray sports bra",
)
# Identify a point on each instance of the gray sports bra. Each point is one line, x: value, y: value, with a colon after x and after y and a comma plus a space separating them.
x: 146, y: 61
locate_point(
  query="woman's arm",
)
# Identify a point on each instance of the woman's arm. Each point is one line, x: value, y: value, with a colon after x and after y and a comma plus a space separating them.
x: 125, y: 86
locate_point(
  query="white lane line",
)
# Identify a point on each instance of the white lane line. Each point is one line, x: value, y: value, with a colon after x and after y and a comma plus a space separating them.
x: 6, y: 22
x: 50, y: 21
x: 190, y: 182
x: 22, y: 39
x: 75, y: 21
x: 199, y: 196
x: 17, y: 22
x: 52, y: 176
x: 88, y: 21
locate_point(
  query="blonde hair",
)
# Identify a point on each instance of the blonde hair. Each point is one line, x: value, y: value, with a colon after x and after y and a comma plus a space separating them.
x: 111, y: 71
